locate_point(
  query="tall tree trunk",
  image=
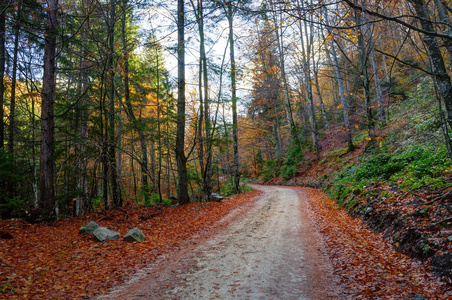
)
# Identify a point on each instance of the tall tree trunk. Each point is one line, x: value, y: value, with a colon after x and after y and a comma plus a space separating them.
x: 280, y: 42
x: 277, y: 138
x: 378, y: 89
x: 380, y: 99
x: 47, y: 196
x: 235, y: 131
x: 159, y: 133
x: 116, y: 192
x: 315, y: 69
x: 12, y: 108
x: 437, y: 61
x: 344, y: 101
x: 200, y: 91
x: 307, y: 53
x: 319, y: 95
x: 363, y: 57
x: 447, y: 25
x: 181, y: 159
x: 206, y: 170
x: 3, y: 8
x: 82, y: 127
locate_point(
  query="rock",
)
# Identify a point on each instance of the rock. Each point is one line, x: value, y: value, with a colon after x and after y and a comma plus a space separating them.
x: 102, y: 233
x: 393, y: 187
x: 88, y: 228
x: 216, y: 197
x: 134, y: 235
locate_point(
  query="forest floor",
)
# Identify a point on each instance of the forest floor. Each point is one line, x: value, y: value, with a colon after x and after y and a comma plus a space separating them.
x: 232, y: 249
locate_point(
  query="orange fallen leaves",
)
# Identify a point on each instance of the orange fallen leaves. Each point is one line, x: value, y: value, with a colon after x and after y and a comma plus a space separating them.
x: 52, y: 261
x: 365, y: 262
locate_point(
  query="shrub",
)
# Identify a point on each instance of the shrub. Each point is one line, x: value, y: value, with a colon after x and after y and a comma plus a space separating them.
x: 13, y: 188
x: 270, y: 170
x: 288, y: 172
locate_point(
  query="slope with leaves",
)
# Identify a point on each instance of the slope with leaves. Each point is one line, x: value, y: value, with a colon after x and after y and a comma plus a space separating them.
x: 53, y: 261
x: 365, y: 262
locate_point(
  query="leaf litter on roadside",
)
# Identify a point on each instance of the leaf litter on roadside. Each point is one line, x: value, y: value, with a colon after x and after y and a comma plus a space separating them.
x: 366, y: 263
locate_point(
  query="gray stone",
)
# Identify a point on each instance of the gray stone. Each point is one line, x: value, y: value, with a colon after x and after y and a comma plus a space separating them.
x: 216, y: 197
x: 88, y: 228
x: 102, y: 233
x: 419, y: 297
x: 134, y: 235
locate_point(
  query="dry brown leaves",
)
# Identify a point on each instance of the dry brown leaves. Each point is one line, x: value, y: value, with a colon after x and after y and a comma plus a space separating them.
x: 368, y: 267
x: 52, y: 261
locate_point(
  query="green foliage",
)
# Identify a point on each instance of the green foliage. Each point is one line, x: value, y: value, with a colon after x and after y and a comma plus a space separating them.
x: 380, y: 166
x: 288, y: 172
x: 286, y: 169
x: 294, y: 156
x: 227, y: 187
x: 12, y: 196
x: 415, y: 165
x: 425, y: 248
x: 270, y: 170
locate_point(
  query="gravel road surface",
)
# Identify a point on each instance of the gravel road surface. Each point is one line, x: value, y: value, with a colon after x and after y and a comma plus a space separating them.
x: 270, y: 251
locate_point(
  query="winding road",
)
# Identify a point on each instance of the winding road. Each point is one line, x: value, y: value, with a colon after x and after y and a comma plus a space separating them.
x: 270, y: 251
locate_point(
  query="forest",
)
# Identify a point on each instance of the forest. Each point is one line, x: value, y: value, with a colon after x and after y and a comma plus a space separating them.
x: 110, y: 104
x: 92, y: 118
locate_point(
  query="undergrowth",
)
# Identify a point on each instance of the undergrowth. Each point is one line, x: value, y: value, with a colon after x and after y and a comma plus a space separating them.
x: 410, y: 152
x: 410, y: 168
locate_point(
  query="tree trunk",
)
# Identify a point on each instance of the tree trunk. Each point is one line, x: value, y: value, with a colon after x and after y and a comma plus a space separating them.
x: 182, y: 184
x: 47, y: 196
x: 3, y: 8
x: 159, y: 133
x: 344, y: 101
x: 363, y: 57
x: 447, y: 24
x: 116, y: 192
x: 276, y: 136
x: 437, y: 61
x: 235, y: 132
x: 380, y: 100
x: 307, y: 53
x: 287, y: 104
x: 12, y: 108
x: 82, y: 127
x: 319, y: 95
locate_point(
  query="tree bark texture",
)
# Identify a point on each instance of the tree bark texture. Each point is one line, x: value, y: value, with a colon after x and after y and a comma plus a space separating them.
x: 438, y: 66
x: 3, y: 8
x: 12, y: 107
x: 47, y: 195
x: 181, y: 160
x: 235, y: 132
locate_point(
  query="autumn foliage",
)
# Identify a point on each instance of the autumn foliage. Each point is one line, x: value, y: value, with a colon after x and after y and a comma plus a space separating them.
x: 52, y: 261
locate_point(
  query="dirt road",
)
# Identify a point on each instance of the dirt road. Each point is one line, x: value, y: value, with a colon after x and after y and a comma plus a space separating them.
x: 272, y: 251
